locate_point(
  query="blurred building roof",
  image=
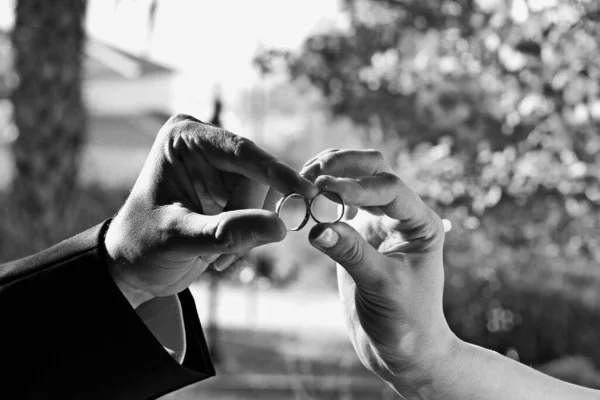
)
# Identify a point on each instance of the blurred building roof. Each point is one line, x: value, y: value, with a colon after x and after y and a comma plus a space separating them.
x: 105, y: 61
x: 125, y: 131
x: 127, y: 97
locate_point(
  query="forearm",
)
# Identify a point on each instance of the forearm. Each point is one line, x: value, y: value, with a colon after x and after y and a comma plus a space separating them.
x: 472, y: 372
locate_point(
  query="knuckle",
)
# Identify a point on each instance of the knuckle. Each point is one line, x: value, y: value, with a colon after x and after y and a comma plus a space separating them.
x: 188, y: 127
x: 272, y: 167
x: 218, y: 231
x: 177, y: 119
x: 329, y: 161
x: 241, y: 147
x: 439, y: 232
x: 378, y: 159
x: 169, y: 230
x: 225, y: 239
x: 435, y: 229
x: 184, y: 123
x: 226, y: 242
x: 179, y: 127
x: 208, y: 136
x: 352, y: 254
x: 392, y: 179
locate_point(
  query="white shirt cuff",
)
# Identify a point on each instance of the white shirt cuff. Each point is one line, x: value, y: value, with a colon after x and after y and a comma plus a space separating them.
x: 164, y: 317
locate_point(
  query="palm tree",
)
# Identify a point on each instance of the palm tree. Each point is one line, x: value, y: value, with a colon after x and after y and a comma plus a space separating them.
x: 48, y: 41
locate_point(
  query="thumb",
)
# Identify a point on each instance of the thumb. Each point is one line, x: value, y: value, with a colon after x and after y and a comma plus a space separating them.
x: 347, y: 247
x: 230, y: 231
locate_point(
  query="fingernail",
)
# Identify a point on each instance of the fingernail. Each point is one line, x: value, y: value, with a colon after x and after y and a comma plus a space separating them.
x: 327, y: 239
x: 309, y: 176
x: 310, y: 171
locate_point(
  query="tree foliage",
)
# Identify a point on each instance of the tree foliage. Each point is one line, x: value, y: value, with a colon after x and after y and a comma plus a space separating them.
x: 492, y: 108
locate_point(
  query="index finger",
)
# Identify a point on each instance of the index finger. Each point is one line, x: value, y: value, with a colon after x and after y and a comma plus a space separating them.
x: 255, y: 163
x: 363, y: 178
x: 345, y: 163
x: 383, y: 190
x: 231, y: 153
x: 413, y: 218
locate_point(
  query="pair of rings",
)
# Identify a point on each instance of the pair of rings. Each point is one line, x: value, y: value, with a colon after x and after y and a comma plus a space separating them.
x: 295, y: 210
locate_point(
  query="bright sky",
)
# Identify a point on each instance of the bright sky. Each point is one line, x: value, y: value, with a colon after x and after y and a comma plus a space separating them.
x: 209, y: 42
x: 208, y: 36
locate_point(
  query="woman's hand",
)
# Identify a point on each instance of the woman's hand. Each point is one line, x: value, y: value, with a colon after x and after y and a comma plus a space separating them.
x: 199, y: 201
x: 389, y: 247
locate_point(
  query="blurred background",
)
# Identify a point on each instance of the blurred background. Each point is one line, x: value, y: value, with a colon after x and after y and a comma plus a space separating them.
x: 489, y: 109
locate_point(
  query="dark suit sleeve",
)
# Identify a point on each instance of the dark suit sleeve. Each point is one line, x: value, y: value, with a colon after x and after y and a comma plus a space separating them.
x: 66, y: 331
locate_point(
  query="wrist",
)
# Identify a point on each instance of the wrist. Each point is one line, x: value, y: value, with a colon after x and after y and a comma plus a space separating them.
x: 435, y: 363
x: 117, y: 267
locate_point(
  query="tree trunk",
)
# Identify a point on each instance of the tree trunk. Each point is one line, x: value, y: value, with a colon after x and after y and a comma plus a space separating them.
x: 48, y: 41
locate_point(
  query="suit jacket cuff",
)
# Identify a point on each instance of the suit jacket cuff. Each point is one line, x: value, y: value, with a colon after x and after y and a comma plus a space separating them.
x: 68, y: 332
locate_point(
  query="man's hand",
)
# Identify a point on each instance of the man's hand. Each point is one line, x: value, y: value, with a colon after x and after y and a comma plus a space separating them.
x: 199, y: 201
x: 391, y: 278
